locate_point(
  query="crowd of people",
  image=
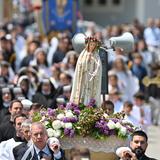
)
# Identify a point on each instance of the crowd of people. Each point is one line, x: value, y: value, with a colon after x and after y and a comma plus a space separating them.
x: 37, y: 72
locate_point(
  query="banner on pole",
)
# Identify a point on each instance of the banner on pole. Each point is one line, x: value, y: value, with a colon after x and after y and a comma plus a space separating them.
x: 58, y: 15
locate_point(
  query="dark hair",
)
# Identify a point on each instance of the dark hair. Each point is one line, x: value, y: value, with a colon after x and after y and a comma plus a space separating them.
x: 14, y: 101
x: 139, y: 95
x: 139, y: 133
x: 35, y: 42
x: 108, y: 102
x: 128, y: 104
x: 113, y: 75
x: 17, y: 116
x: 36, y: 106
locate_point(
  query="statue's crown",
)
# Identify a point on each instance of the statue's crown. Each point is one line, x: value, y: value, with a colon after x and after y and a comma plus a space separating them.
x: 92, y: 39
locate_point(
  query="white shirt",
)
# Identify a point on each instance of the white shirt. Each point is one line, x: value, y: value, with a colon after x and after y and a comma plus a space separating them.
x: 132, y: 120
x: 152, y: 36
x: 118, y: 106
x: 47, y: 152
x: 147, y: 115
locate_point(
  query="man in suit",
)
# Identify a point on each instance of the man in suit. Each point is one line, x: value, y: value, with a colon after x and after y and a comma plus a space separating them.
x: 138, y: 146
x: 39, y: 149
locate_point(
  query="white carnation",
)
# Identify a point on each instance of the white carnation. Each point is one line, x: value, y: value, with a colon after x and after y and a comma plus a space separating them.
x: 43, y: 118
x: 56, y: 124
x: 60, y: 116
x: 50, y: 132
x: 111, y: 124
x: 62, y: 124
x: 105, y: 115
x: 68, y: 125
x: 69, y: 114
x: 123, y: 130
x: 57, y: 133
x: 118, y: 125
x: 46, y: 123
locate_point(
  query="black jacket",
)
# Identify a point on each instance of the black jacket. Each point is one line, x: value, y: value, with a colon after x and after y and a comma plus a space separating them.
x: 146, y: 158
x: 7, y: 131
x: 46, y: 100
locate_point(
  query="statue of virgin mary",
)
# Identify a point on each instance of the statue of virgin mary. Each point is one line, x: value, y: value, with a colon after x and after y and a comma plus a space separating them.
x: 88, y: 73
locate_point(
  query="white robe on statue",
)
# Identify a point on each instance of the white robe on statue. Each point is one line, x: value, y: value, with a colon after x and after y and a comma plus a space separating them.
x: 87, y: 79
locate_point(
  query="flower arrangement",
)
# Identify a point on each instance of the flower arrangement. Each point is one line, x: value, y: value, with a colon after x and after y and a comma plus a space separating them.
x: 72, y: 120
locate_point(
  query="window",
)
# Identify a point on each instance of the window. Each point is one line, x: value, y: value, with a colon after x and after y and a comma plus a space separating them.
x: 116, y: 2
x: 88, y: 2
x: 102, y: 2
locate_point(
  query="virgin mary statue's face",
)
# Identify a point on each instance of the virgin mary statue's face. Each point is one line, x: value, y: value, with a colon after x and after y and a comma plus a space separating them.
x: 92, y: 46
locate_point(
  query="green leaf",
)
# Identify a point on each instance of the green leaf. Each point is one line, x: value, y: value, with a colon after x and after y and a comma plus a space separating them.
x: 37, y: 117
x: 81, y: 106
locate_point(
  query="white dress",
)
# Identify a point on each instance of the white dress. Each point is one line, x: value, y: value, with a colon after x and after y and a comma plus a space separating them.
x: 87, y: 78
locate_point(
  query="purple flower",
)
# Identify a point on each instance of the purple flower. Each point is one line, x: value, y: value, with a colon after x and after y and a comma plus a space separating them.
x: 51, y: 112
x: 114, y: 120
x: 102, y: 126
x: 92, y: 103
x: 66, y: 131
x: 71, y: 105
x: 129, y: 129
x: 73, y: 119
x: 43, y: 113
x: 112, y: 132
x: 77, y: 111
x: 98, y: 125
x: 106, y: 132
x: 71, y: 133
x: 62, y: 106
x: 66, y: 119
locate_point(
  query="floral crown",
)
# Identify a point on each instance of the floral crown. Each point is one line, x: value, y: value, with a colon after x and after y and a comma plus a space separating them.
x: 92, y: 39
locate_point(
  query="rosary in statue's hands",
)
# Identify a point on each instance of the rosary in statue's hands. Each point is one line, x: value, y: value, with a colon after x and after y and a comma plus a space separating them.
x: 96, y: 70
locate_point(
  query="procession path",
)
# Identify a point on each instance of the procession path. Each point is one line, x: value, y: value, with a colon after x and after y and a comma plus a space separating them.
x: 153, y: 149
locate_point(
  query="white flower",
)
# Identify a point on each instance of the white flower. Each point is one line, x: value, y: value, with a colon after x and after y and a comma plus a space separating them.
x: 123, y: 130
x: 46, y: 123
x: 43, y: 118
x: 56, y: 124
x: 111, y: 124
x: 68, y: 110
x: 68, y: 125
x: 69, y: 114
x: 118, y: 125
x: 57, y: 133
x: 62, y: 124
x: 50, y: 132
x: 105, y: 115
x: 60, y: 116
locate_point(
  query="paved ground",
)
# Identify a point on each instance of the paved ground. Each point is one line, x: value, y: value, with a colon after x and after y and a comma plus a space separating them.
x: 153, y: 149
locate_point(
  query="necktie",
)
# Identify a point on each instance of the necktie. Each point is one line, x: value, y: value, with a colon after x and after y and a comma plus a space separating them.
x: 41, y: 154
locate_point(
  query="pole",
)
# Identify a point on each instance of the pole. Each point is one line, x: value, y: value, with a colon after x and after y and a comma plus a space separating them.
x: 74, y: 16
x: 104, y: 59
